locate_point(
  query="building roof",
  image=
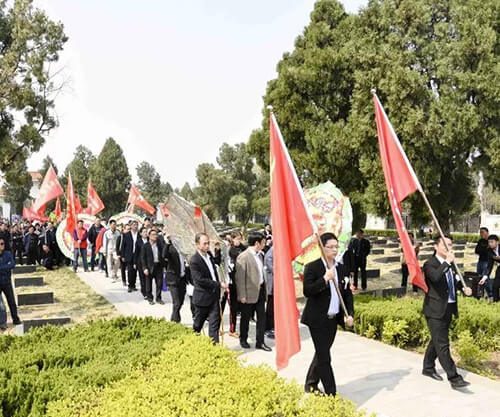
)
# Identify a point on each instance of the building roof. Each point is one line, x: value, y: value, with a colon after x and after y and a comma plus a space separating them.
x: 36, y: 176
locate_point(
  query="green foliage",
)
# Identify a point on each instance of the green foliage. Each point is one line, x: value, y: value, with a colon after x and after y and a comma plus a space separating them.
x: 51, y: 363
x: 111, y: 177
x: 435, y: 65
x: 468, y: 237
x: 471, y: 355
x: 191, y: 378
x: 17, y: 187
x: 395, y: 333
x: 186, y: 192
x: 238, y: 205
x: 29, y: 45
x: 46, y: 163
x: 153, y: 190
x: 80, y: 168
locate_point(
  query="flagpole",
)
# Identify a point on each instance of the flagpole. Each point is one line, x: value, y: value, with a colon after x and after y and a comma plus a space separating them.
x: 313, y: 224
x: 420, y: 189
x: 441, y: 234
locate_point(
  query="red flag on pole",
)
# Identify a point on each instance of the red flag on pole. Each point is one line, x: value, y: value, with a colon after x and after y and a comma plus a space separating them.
x: 164, y: 211
x: 292, y: 224
x: 78, y: 205
x: 135, y: 198
x: 50, y: 189
x: 30, y: 213
x: 94, y: 203
x: 58, y: 210
x: 197, y: 212
x: 401, y: 181
x: 70, y: 207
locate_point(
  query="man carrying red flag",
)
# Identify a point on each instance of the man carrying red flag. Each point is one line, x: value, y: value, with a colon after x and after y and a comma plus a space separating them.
x: 135, y: 198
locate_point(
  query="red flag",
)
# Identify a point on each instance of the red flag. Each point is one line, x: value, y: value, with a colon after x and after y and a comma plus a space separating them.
x: 292, y: 224
x: 135, y: 198
x: 401, y: 181
x: 197, y: 212
x: 78, y: 205
x: 70, y: 207
x: 94, y: 203
x: 50, y: 189
x: 58, y: 210
x: 30, y: 213
x: 98, y: 241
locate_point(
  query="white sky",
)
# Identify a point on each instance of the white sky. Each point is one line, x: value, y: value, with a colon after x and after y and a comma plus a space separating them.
x: 170, y: 80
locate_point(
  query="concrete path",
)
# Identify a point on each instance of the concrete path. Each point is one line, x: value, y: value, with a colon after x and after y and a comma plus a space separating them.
x: 377, y: 377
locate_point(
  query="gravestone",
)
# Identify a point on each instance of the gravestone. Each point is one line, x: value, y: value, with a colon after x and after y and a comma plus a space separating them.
x: 35, y: 298
x: 388, y: 259
x: 28, y: 282
x: 377, y: 251
x: 24, y: 269
x: 392, y: 245
x: 372, y: 273
x: 459, y: 254
x: 28, y: 324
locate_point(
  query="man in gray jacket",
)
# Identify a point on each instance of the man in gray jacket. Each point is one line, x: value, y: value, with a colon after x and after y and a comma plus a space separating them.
x: 251, y: 290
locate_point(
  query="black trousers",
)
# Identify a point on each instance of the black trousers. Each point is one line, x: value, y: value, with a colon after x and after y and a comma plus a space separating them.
x: 18, y: 252
x: 270, y: 313
x: 157, y: 275
x: 246, y: 313
x: 360, y: 264
x: 123, y: 271
x: 178, y: 292
x: 321, y: 365
x: 210, y: 313
x: 32, y: 256
x: 131, y: 274
x: 496, y: 289
x: 142, y: 280
x: 404, y: 279
x: 439, y: 346
x: 11, y: 300
x: 232, y: 297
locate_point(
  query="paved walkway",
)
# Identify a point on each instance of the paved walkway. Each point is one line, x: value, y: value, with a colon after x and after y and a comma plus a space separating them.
x: 377, y: 377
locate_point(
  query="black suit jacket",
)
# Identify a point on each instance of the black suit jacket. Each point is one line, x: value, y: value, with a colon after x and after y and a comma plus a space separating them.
x: 318, y: 295
x: 360, y: 247
x: 206, y: 290
x: 147, y: 259
x: 127, y: 246
x: 173, y: 261
x: 436, y: 299
x: 139, y: 244
x: 491, y: 263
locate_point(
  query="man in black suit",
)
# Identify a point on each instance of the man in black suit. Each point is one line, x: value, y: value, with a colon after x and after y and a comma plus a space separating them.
x: 140, y: 242
x: 360, y: 247
x: 206, y: 293
x: 128, y: 247
x: 152, y: 264
x: 323, y: 312
x: 493, y: 253
x: 175, y: 277
x: 440, y: 304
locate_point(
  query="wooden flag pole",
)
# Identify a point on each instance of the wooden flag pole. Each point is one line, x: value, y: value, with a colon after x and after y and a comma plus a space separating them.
x: 335, y: 282
x: 441, y: 234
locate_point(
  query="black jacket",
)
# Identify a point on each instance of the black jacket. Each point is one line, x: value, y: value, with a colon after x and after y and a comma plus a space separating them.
x: 147, y: 259
x: 482, y: 250
x: 139, y: 244
x: 436, y: 299
x: 173, y: 261
x: 206, y: 290
x: 93, y: 233
x: 5, y: 235
x: 318, y: 294
x: 491, y: 263
x: 360, y: 247
x: 127, y: 246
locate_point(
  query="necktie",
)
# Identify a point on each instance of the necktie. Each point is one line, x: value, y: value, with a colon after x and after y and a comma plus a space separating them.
x: 451, y: 287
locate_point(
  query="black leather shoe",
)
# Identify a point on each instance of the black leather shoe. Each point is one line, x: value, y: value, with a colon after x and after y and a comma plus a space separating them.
x: 130, y: 290
x: 245, y: 345
x: 433, y: 375
x: 151, y: 302
x: 264, y: 347
x: 160, y: 302
x: 16, y: 322
x: 460, y: 383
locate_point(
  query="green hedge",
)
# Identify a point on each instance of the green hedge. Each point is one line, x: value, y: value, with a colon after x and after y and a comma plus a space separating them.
x: 192, y: 377
x: 400, y: 322
x: 51, y: 363
x: 469, y: 237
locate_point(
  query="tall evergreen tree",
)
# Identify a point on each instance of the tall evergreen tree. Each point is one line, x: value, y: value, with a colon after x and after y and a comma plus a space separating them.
x: 80, y: 168
x: 17, y: 187
x: 111, y: 177
x: 46, y: 163
x: 150, y: 184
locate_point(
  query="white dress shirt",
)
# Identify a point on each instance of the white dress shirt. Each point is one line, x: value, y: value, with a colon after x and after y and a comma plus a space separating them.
x: 207, y: 260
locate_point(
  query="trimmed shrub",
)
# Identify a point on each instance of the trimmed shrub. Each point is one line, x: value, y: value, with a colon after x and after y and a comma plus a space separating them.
x: 471, y: 356
x: 192, y: 377
x: 50, y: 363
x: 469, y: 237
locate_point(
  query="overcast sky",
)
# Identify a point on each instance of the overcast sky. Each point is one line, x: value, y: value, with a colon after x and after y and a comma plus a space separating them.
x: 169, y: 80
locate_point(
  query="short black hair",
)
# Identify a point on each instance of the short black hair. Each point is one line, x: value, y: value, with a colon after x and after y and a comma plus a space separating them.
x: 198, y: 236
x: 325, y: 237
x: 493, y: 237
x: 141, y: 229
x: 437, y: 238
x: 80, y: 221
x: 484, y: 228
x: 112, y: 221
x: 361, y: 231
x: 254, y: 238
x: 267, y: 224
